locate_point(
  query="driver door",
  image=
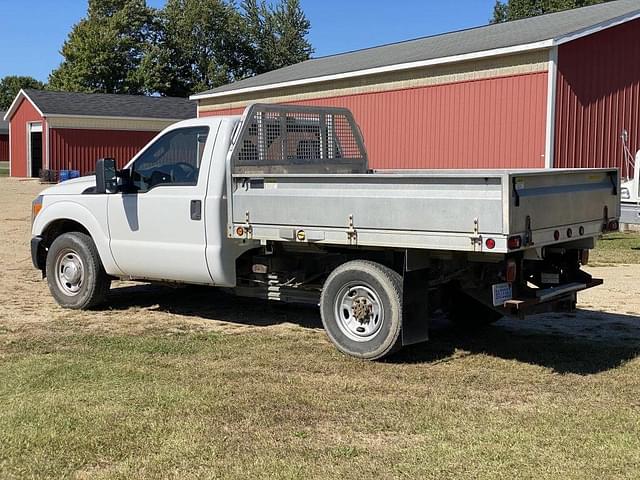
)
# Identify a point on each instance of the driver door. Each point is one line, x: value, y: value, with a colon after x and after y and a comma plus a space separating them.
x: 158, y: 231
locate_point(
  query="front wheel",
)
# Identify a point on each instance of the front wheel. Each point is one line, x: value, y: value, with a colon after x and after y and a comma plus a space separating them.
x: 75, y: 273
x: 361, y: 309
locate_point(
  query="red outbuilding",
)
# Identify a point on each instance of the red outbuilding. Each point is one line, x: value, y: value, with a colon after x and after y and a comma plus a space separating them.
x: 54, y: 131
x: 550, y: 91
x: 4, y: 140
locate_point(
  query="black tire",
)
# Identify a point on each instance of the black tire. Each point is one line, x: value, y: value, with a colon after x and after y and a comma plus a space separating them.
x: 371, y: 284
x: 69, y: 254
x: 466, y: 312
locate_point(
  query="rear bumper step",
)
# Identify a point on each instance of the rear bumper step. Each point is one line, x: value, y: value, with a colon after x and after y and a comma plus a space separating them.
x: 561, y: 293
x: 553, y: 292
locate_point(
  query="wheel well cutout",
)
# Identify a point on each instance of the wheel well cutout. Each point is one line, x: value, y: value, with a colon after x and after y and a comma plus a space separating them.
x: 59, y: 227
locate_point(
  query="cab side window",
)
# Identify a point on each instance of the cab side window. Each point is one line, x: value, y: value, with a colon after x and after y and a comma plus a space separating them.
x: 173, y: 159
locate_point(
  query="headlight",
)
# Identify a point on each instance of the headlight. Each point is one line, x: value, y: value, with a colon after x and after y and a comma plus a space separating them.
x: 36, y: 206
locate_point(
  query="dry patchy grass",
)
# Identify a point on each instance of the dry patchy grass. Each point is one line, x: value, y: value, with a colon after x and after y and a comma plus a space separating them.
x: 165, y: 404
x: 619, y: 247
x: 188, y: 383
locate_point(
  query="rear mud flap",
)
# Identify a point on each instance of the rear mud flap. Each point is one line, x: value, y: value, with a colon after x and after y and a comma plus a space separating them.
x: 415, y: 307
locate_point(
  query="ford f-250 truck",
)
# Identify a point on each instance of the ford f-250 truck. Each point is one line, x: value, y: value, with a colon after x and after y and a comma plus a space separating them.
x: 280, y: 204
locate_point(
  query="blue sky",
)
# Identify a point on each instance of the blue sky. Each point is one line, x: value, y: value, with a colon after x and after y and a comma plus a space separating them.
x: 31, y: 33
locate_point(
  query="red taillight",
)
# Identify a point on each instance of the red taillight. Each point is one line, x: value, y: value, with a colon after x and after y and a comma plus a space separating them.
x: 514, y: 242
x: 512, y: 271
x: 584, y: 257
x: 556, y: 235
x: 490, y: 243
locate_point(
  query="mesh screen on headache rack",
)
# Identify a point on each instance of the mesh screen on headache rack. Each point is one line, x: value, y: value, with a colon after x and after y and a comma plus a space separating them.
x: 296, y: 139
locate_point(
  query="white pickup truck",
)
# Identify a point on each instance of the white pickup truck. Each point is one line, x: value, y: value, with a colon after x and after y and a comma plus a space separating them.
x: 280, y: 204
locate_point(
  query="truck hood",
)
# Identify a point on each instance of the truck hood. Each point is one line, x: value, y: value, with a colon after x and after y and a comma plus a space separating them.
x: 71, y: 187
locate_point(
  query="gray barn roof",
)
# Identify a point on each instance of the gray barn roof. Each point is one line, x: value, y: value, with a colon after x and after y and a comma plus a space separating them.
x: 4, y: 126
x: 108, y: 105
x: 550, y: 27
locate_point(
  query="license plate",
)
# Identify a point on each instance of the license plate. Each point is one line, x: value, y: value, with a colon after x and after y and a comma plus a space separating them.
x: 501, y: 293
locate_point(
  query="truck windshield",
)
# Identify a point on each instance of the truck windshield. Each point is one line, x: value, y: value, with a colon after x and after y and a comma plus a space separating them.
x: 173, y: 159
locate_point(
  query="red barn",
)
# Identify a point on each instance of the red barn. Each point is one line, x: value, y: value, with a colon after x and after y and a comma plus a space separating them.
x: 4, y: 140
x: 69, y: 131
x: 551, y: 91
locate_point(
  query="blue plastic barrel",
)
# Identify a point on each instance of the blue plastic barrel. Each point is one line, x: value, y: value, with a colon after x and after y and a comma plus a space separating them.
x: 74, y: 173
x: 64, y: 175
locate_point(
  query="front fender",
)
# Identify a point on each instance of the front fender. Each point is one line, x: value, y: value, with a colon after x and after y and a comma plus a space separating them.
x: 92, y: 215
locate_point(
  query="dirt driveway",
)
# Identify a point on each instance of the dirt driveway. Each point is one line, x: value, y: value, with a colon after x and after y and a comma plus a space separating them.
x: 26, y: 308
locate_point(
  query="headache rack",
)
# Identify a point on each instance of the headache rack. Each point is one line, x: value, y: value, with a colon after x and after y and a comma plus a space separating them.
x: 282, y: 139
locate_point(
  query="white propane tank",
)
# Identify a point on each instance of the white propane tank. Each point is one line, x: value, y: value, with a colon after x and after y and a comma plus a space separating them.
x: 635, y: 181
x: 631, y: 188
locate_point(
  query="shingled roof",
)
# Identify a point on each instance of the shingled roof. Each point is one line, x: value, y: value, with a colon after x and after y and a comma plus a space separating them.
x: 51, y: 103
x: 534, y: 33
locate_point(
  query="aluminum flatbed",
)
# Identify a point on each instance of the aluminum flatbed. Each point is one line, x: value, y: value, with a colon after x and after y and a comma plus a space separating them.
x: 437, y: 209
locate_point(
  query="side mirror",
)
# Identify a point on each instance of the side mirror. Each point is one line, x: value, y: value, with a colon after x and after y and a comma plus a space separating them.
x: 106, y: 179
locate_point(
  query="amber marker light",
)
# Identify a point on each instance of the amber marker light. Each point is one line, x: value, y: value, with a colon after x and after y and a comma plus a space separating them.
x: 36, y: 206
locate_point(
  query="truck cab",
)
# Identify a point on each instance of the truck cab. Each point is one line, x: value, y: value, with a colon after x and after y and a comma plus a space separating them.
x: 155, y: 227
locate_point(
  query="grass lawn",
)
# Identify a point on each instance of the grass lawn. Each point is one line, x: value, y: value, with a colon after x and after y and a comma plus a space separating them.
x: 620, y: 247
x: 4, y: 169
x: 287, y: 405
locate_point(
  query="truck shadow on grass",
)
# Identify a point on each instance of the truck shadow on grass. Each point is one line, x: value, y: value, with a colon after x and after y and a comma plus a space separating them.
x: 213, y: 304
x: 586, y: 343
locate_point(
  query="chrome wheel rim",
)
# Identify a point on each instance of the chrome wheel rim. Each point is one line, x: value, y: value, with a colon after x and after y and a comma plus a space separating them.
x: 358, y: 312
x: 69, y: 272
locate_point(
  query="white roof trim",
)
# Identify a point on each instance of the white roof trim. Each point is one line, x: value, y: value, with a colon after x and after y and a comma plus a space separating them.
x: 387, y: 68
x: 16, y: 101
x: 435, y: 61
x: 614, y: 22
x: 149, y: 119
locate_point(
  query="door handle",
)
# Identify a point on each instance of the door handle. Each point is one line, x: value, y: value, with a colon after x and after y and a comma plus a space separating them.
x: 196, y: 209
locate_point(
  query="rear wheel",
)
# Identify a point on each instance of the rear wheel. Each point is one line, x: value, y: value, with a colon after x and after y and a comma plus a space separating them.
x: 361, y: 309
x: 75, y: 273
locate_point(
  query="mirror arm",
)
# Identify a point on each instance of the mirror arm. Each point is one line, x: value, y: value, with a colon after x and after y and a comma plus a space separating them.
x: 106, y: 180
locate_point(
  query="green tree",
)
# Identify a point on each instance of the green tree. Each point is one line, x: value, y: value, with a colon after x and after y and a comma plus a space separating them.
x: 203, y: 44
x: 276, y: 35
x: 104, y: 51
x: 11, y: 85
x: 508, y: 10
x: 200, y: 45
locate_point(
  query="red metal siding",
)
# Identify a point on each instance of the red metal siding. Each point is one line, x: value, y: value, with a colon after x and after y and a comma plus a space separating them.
x: 78, y: 149
x: 489, y: 123
x: 4, y: 148
x: 24, y: 114
x: 598, y: 96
